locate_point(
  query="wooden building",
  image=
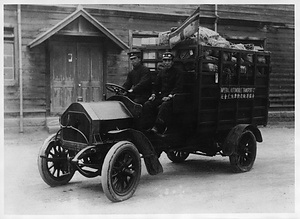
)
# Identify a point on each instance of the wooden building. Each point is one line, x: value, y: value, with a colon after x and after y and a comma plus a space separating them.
x: 55, y: 53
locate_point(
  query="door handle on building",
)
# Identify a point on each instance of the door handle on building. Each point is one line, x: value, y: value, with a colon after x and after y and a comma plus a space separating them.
x: 70, y: 57
x: 79, y: 93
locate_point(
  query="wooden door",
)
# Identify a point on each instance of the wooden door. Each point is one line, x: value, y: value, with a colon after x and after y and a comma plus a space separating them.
x: 76, y: 69
x: 62, y: 76
x: 90, y: 71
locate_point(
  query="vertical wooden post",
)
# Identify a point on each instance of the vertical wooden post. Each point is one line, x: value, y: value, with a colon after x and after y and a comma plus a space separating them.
x: 217, y: 18
x: 20, y: 68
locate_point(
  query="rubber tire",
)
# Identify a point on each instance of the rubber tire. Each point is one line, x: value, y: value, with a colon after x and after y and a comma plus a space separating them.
x: 110, y: 160
x: 235, y: 158
x: 177, y: 156
x: 46, y: 175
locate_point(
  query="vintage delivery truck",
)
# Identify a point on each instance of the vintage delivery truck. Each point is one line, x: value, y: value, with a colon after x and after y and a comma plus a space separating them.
x: 225, y: 100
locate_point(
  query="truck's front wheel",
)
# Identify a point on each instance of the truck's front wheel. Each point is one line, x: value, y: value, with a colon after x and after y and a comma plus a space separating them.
x: 121, y: 171
x: 54, y: 162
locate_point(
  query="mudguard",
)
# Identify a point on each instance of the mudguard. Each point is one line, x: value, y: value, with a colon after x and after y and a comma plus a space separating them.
x: 144, y: 147
x: 231, y: 141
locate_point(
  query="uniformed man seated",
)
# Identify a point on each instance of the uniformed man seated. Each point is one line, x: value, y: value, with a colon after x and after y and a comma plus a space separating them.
x: 138, y: 82
x: 169, y: 81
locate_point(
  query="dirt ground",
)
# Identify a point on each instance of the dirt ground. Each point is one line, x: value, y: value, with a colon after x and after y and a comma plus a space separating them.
x: 201, y: 187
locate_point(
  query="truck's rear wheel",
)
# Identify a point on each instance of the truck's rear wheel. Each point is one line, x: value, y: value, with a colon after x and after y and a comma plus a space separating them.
x: 121, y: 171
x: 244, y: 156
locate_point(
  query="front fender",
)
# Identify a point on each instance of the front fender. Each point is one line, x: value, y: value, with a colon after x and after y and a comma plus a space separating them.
x: 144, y: 147
x: 51, y: 138
x: 231, y: 141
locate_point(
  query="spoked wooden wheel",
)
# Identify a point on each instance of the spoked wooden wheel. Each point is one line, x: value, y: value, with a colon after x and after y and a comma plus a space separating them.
x: 243, y: 158
x: 177, y: 156
x: 121, y: 171
x: 54, y: 163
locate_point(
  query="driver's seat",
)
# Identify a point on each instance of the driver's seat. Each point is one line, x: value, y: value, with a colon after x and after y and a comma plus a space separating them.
x: 134, y: 108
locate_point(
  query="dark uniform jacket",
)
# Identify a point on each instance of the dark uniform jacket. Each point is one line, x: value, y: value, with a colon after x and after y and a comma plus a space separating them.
x: 139, y: 80
x: 168, y: 81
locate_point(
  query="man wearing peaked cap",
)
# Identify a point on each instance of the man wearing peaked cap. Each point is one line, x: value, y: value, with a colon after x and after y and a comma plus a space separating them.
x: 160, y: 104
x: 168, y: 55
x: 138, y: 82
x: 134, y: 53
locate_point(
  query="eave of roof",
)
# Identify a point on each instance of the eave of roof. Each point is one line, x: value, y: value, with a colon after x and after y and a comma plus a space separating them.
x: 79, y: 12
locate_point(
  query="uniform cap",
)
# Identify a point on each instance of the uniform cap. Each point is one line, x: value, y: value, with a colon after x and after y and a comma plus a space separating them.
x: 134, y: 53
x: 168, y: 55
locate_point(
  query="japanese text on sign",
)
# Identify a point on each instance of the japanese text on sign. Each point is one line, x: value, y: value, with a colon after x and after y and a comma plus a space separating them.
x: 237, y: 93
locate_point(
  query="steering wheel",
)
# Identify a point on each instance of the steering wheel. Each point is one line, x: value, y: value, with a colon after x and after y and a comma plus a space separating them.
x: 117, y: 89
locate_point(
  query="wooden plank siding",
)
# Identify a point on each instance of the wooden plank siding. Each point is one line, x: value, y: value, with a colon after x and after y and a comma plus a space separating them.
x: 282, y: 80
x: 273, y: 22
x: 34, y: 85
